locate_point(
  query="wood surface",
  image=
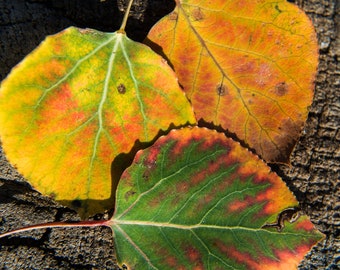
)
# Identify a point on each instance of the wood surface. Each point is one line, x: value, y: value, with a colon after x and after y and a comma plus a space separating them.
x: 314, y: 174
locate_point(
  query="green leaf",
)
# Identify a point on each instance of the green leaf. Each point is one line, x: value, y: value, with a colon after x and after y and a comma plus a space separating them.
x: 79, y: 101
x: 198, y: 200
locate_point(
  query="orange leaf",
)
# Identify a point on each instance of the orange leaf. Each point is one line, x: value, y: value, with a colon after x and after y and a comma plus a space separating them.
x: 247, y: 66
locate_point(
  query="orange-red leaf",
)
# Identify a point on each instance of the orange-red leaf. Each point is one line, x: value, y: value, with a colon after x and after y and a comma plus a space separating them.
x: 78, y: 101
x: 247, y: 65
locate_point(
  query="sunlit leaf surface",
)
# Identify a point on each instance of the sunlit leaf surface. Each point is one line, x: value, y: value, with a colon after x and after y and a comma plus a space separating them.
x: 197, y: 200
x: 248, y: 66
x: 78, y: 101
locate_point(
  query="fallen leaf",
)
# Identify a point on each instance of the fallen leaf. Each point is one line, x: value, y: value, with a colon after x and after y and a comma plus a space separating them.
x: 80, y: 100
x: 198, y: 200
x: 247, y: 66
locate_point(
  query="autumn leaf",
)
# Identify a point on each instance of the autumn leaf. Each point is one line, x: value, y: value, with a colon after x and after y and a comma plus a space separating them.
x: 77, y: 102
x: 198, y: 200
x: 247, y: 66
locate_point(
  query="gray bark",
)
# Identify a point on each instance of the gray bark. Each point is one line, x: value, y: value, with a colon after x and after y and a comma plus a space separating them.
x: 314, y: 175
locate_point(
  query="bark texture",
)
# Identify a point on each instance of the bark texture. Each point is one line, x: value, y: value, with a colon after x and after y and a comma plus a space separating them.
x: 314, y: 175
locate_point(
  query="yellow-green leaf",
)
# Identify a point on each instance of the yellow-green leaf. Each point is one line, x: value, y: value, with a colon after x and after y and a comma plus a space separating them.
x: 79, y: 100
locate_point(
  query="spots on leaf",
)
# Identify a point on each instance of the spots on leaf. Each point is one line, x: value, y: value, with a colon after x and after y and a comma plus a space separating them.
x: 173, y: 16
x: 281, y: 89
x: 195, y: 257
x: 128, y: 194
x: 234, y: 254
x: 158, y: 200
x: 197, y: 14
x: 193, y: 254
x: 121, y: 89
x: 278, y: 8
x: 149, y: 163
x: 286, y: 140
x: 146, y: 175
x: 221, y: 90
x: 169, y: 259
x: 238, y: 205
x: 182, y: 187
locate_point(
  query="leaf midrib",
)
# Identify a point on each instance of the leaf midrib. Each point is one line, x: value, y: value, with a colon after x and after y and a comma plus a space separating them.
x: 117, y: 222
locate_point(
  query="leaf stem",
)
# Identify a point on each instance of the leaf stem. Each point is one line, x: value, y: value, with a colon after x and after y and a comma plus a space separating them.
x: 126, y: 15
x: 94, y: 223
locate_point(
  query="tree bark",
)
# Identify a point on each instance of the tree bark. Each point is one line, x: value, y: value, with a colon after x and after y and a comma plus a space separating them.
x: 314, y: 174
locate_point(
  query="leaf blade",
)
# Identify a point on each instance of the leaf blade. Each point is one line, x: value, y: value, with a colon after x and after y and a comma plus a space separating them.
x: 197, y: 199
x: 239, y: 63
x: 82, y: 98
